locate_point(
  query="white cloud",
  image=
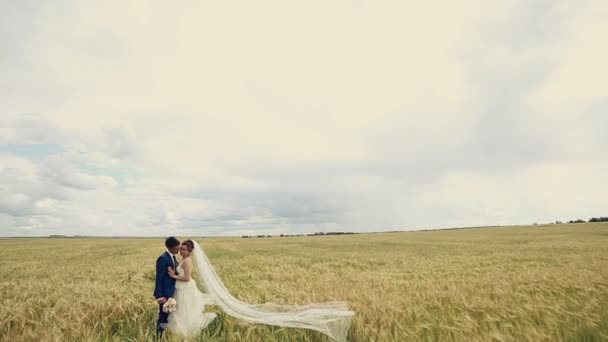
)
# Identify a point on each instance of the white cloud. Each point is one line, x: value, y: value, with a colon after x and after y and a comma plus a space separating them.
x: 211, y: 118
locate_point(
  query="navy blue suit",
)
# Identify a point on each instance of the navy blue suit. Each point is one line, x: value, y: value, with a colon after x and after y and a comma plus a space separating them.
x: 165, y: 286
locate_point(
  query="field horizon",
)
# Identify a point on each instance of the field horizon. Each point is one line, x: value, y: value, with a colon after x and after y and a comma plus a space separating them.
x: 84, y: 236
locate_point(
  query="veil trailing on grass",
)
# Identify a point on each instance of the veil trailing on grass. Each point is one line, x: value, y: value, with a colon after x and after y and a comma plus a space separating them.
x: 330, y: 318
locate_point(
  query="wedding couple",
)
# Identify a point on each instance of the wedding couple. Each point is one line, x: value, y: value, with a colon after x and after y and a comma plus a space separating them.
x: 174, y: 281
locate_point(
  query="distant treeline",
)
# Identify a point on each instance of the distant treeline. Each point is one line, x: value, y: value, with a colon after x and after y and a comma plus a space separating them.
x: 593, y: 219
x: 69, y: 236
x: 295, y: 235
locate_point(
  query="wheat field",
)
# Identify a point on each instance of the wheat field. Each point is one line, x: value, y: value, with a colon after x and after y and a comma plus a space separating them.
x: 535, y: 283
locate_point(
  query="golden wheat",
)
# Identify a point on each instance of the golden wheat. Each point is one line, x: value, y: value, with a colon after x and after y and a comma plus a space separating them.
x: 539, y: 283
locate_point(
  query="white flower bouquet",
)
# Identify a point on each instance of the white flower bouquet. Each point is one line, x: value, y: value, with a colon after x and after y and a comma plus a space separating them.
x: 170, y: 305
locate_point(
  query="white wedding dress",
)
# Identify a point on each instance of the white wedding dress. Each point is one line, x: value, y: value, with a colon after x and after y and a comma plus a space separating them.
x: 330, y: 318
x: 189, y: 317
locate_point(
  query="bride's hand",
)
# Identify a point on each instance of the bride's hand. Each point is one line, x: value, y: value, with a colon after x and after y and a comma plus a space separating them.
x: 171, y: 272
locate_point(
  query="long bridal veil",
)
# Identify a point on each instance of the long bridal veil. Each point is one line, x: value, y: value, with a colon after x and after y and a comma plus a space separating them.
x: 330, y: 318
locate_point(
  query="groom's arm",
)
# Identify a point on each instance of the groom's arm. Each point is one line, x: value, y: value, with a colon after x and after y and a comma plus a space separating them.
x: 160, y: 274
x: 187, y: 272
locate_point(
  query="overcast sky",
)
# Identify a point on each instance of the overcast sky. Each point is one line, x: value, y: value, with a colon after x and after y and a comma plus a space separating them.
x: 247, y: 117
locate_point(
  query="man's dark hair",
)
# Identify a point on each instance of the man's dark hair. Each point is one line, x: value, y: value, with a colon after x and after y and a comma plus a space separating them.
x: 171, y: 242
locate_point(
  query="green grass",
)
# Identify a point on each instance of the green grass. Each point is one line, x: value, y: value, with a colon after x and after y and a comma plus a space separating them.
x: 537, y: 283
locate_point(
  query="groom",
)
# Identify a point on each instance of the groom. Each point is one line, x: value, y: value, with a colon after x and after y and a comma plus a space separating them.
x: 165, y: 285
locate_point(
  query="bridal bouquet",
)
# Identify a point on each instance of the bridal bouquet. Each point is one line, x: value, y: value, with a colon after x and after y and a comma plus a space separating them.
x: 170, y: 305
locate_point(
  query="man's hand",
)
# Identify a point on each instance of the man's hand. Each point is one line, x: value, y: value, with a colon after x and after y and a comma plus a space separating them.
x: 161, y: 300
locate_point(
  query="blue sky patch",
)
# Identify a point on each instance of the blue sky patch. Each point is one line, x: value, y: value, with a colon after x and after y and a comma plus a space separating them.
x: 32, y: 151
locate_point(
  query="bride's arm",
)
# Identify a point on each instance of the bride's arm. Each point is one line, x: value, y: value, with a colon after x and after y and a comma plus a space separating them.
x: 187, y: 272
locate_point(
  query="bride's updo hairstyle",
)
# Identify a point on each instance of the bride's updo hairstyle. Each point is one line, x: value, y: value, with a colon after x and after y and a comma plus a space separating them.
x: 189, y: 244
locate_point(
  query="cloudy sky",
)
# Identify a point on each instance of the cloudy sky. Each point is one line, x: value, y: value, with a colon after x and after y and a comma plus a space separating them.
x: 246, y: 117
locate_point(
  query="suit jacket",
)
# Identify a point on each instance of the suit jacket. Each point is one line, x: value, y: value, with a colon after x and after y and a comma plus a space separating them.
x: 165, y: 285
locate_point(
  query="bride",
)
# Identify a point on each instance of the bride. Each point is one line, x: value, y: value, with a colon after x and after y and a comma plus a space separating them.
x: 188, y: 319
x: 330, y: 318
